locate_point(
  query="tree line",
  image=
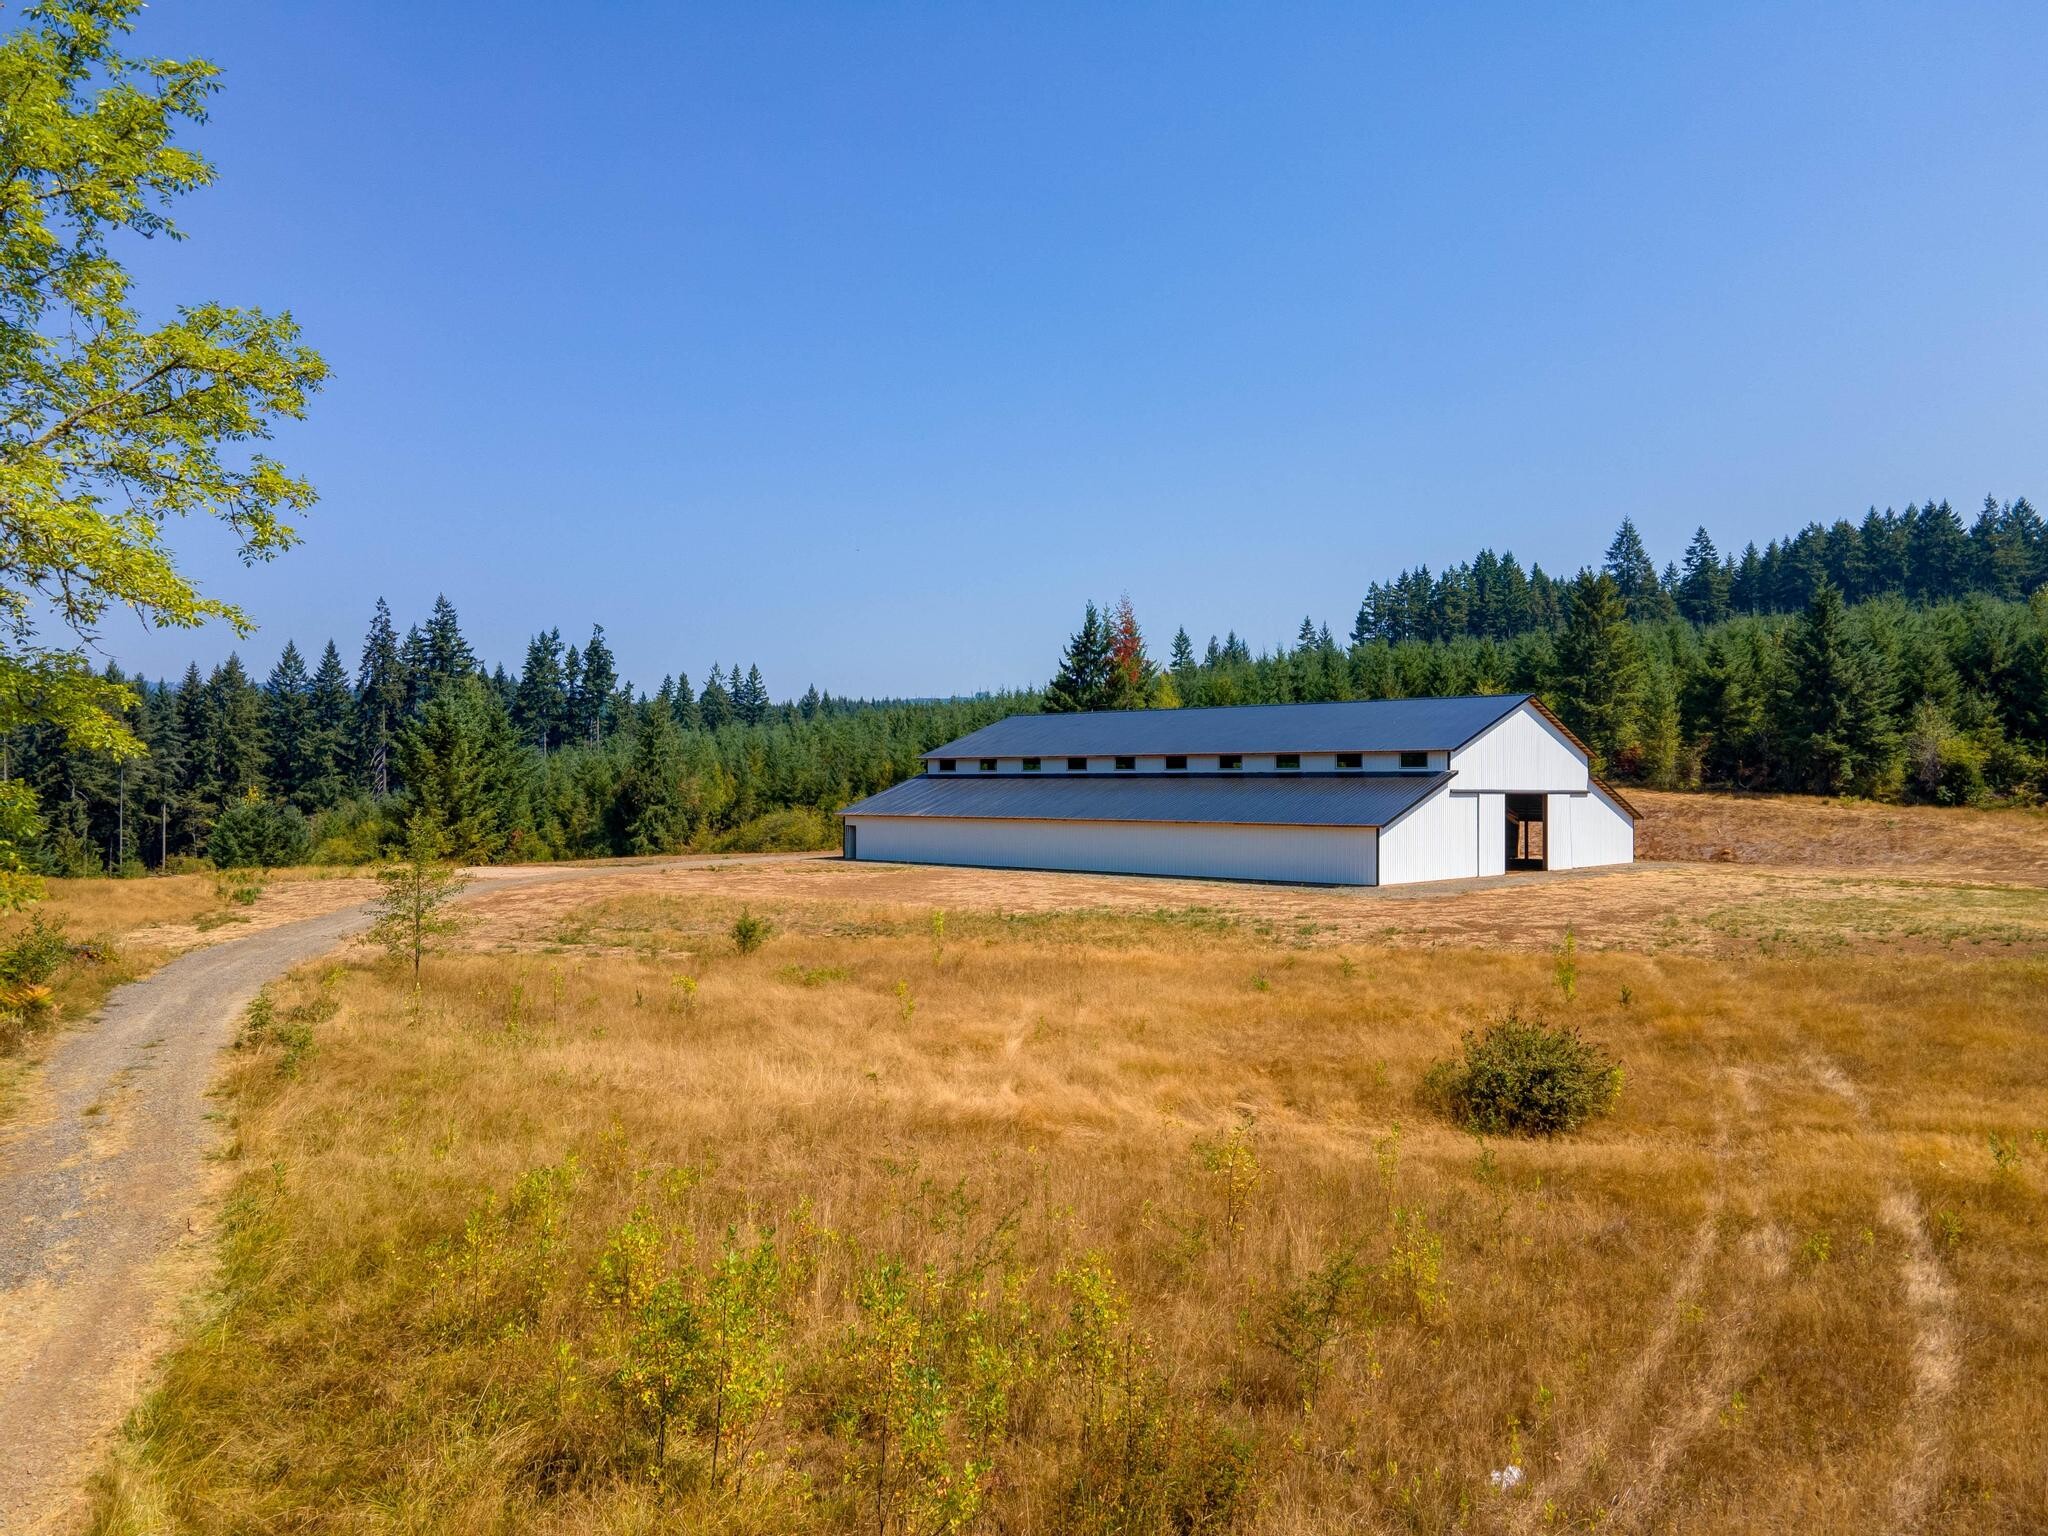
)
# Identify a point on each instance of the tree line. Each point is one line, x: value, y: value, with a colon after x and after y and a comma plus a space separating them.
x: 565, y: 760
x: 1923, y: 555
x: 1884, y: 683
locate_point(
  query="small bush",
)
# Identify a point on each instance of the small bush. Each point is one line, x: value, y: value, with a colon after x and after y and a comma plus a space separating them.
x: 1523, y: 1077
x: 749, y: 932
x: 259, y: 834
x: 357, y: 831
x: 799, y: 829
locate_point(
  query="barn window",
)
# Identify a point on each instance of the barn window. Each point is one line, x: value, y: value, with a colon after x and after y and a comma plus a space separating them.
x: 1031, y: 765
x: 1077, y: 765
x: 1350, y: 760
x: 1176, y: 764
x: 1287, y: 760
x: 1414, y: 759
x: 988, y: 765
x: 1229, y: 762
x: 947, y: 765
x: 1126, y: 764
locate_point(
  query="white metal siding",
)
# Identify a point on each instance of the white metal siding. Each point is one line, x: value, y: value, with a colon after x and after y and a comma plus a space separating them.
x: 1493, y: 834
x: 1438, y: 840
x: 1523, y: 754
x: 1602, y: 832
x: 1308, y: 855
x: 1557, y: 833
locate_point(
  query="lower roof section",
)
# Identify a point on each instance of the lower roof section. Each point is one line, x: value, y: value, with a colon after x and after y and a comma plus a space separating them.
x: 1253, y: 799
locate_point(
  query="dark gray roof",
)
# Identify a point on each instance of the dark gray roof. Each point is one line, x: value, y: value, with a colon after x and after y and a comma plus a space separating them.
x: 1364, y: 725
x: 1256, y: 799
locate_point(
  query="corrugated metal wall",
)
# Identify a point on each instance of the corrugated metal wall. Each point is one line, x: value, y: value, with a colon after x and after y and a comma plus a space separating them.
x: 1493, y: 834
x: 1308, y: 855
x: 1601, y: 832
x: 1524, y: 754
x: 1438, y: 840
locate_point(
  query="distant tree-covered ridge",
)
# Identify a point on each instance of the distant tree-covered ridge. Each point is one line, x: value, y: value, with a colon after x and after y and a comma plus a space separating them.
x: 1904, y: 656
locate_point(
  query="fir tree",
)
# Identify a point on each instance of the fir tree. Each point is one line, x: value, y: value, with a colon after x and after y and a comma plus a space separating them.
x: 683, y: 703
x: 460, y: 763
x: 327, y: 756
x: 1633, y: 572
x: 1083, y: 681
x: 382, y: 693
x: 654, y: 803
x: 1703, y: 586
x: 749, y: 696
x: 590, y: 702
x: 714, y: 704
x: 542, y: 709
x: 1837, y: 701
x: 287, y: 721
x: 1131, y: 672
x: 444, y: 653
x: 1599, y: 682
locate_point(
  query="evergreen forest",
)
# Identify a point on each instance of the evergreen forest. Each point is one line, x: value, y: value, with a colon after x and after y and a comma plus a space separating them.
x: 1902, y: 656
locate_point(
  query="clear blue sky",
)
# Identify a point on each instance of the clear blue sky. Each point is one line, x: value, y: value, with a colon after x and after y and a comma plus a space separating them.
x: 868, y: 341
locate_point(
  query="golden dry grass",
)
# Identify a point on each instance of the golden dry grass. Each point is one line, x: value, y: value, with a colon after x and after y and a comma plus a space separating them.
x: 2003, y: 844
x: 1787, y: 1285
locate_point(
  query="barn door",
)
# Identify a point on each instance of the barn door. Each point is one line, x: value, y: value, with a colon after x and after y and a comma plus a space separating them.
x: 1527, y: 845
x: 849, y: 840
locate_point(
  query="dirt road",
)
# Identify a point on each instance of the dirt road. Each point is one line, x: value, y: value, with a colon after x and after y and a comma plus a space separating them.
x: 102, y: 1183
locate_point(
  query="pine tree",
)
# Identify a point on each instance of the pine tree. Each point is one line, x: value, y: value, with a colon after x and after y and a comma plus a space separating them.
x: 1131, y: 673
x: 1703, y: 586
x: 714, y: 704
x: 1837, y: 706
x: 654, y: 803
x: 327, y: 756
x: 1634, y: 575
x: 460, y: 763
x: 1083, y: 681
x: 1599, y: 683
x: 590, y: 703
x: 287, y: 717
x: 1183, y: 652
x: 240, y: 746
x: 749, y: 696
x: 160, y: 774
x: 445, y: 653
x: 542, y: 709
x: 382, y: 693
x: 683, y: 703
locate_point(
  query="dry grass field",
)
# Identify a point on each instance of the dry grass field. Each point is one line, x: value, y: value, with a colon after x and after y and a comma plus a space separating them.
x: 1115, y: 1205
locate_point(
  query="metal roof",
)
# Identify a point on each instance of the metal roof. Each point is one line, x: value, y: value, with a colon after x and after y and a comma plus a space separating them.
x: 1254, y: 799
x: 1360, y: 725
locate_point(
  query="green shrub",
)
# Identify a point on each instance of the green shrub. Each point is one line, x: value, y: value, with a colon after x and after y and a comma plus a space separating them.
x: 357, y: 831
x: 749, y: 932
x: 30, y: 957
x: 1524, y: 1077
x: 259, y: 834
x: 796, y: 830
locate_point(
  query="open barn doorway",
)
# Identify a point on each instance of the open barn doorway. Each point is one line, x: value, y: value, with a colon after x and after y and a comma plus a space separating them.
x: 1528, y: 848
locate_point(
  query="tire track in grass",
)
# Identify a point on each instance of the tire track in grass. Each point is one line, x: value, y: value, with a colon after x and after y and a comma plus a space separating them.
x: 1766, y: 1256
x: 1587, y: 1449
x: 1936, y: 1355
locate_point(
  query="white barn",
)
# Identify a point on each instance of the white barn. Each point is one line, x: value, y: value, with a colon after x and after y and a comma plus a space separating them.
x: 1380, y: 792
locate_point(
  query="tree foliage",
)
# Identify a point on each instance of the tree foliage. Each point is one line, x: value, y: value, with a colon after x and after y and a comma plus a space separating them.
x: 111, y: 427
